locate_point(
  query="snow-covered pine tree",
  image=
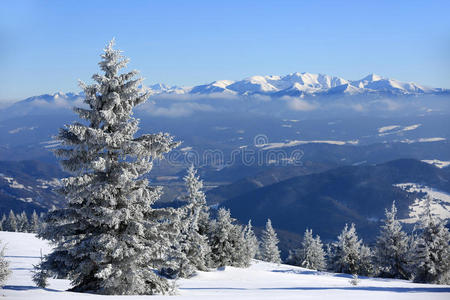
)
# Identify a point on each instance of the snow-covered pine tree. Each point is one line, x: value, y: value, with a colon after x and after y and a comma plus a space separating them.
x: 432, y: 252
x: 192, y: 250
x: 391, y: 250
x: 22, y: 222
x: 366, y: 266
x: 4, y: 266
x: 195, y: 210
x: 345, y: 253
x: 240, y: 257
x: 251, y: 241
x: 11, y: 222
x: 109, y: 239
x: 34, y: 222
x: 269, y: 244
x: 310, y: 255
x: 226, y: 241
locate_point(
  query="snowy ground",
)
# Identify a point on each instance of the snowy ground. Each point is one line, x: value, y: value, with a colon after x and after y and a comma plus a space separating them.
x: 260, y: 281
x: 440, y: 204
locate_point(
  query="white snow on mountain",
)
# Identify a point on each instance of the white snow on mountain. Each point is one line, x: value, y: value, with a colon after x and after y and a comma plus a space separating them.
x: 19, y: 129
x: 300, y: 91
x: 438, y: 163
x: 260, y: 281
x: 387, y: 128
x: 298, y: 84
x: 440, y: 205
x: 423, y: 140
x: 293, y: 143
x: 12, y: 183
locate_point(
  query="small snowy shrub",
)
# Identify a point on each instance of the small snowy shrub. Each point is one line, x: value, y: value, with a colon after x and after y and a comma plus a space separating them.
x: 40, y: 275
x: 355, y: 280
x: 4, y: 267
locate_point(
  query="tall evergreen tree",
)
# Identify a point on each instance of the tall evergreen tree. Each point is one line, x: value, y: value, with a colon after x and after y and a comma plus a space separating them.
x: 311, y: 254
x: 345, y: 253
x: 22, y: 222
x: 391, y: 251
x: 194, y: 246
x: 34, y: 222
x: 432, y: 252
x: 109, y: 239
x: 269, y: 244
x: 11, y: 222
x: 251, y: 241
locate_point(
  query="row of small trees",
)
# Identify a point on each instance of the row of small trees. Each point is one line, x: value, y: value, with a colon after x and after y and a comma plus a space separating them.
x: 192, y: 241
x: 21, y: 222
x: 423, y: 256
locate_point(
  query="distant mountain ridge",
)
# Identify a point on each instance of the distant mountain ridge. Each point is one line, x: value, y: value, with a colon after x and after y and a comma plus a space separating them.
x: 302, y: 84
x: 294, y: 85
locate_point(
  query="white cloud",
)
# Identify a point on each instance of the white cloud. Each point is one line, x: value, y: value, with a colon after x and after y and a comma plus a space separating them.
x: 175, y: 109
x: 299, y: 104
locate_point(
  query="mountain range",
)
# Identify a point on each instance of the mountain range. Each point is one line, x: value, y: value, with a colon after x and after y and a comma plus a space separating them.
x: 302, y: 84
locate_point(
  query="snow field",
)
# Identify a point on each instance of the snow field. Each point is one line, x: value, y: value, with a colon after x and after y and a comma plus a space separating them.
x: 260, y: 281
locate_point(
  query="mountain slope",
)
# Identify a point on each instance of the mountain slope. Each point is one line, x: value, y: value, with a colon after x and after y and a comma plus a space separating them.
x: 29, y: 185
x: 326, y: 201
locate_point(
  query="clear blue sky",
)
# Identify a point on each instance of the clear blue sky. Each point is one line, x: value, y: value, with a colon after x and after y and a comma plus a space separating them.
x: 46, y: 46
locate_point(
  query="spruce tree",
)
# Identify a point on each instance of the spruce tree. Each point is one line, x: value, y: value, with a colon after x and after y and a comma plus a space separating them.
x: 432, y: 252
x: 22, y: 222
x: 11, y: 222
x: 34, y: 222
x: 109, y: 239
x: 366, y: 266
x: 227, y: 242
x: 4, y: 267
x: 269, y: 244
x: 192, y: 250
x: 240, y: 257
x: 195, y: 209
x: 310, y: 255
x: 391, y: 251
x: 251, y: 241
x: 345, y: 253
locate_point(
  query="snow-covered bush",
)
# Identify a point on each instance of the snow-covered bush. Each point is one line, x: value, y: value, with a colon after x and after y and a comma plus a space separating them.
x: 4, y: 266
x: 355, y: 280
x: 269, y: 244
x: 109, y: 239
x: 40, y: 274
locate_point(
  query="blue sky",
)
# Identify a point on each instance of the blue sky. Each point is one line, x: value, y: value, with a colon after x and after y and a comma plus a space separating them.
x: 46, y: 46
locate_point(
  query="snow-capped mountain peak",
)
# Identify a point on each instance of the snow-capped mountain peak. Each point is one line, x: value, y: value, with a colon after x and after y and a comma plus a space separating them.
x: 302, y: 84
